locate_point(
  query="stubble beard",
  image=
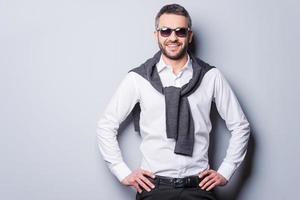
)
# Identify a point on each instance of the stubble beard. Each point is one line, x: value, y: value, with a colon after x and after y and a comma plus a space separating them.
x: 177, y: 56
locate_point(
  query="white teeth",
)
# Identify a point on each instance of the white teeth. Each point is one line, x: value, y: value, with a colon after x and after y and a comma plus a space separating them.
x: 172, y: 45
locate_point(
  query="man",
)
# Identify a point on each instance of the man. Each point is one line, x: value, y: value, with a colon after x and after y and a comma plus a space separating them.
x: 170, y: 96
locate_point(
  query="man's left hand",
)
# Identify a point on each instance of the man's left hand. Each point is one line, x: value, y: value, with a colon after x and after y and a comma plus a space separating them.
x: 211, y: 179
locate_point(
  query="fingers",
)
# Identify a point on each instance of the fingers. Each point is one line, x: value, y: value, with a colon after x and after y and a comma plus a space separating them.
x: 139, y: 180
x: 146, y: 180
x: 137, y: 187
x: 141, y: 183
x: 211, y: 186
x: 208, y: 180
x: 150, y: 174
x: 149, y: 183
x: 211, y: 179
x: 208, y: 183
x: 204, y: 173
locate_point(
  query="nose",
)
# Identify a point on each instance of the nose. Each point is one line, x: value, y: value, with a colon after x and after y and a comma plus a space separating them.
x: 173, y: 36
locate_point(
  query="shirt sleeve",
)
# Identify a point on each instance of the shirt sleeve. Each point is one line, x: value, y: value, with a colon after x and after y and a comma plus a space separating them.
x: 118, y: 108
x: 236, y: 122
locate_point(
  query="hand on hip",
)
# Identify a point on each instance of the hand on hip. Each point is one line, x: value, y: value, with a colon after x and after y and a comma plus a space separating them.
x: 139, y: 179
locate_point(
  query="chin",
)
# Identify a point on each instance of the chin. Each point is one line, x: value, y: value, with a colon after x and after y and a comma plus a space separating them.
x: 172, y: 53
x: 175, y: 55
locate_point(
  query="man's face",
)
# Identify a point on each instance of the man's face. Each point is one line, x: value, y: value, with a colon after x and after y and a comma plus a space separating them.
x: 173, y: 47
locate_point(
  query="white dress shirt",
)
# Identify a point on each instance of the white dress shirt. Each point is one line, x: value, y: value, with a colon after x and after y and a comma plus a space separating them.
x: 157, y: 150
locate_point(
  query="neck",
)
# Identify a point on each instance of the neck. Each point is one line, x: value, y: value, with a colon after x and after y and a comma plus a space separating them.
x: 176, y: 64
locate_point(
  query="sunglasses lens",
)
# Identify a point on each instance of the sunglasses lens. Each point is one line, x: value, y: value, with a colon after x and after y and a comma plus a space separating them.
x: 165, y: 32
x: 181, y: 32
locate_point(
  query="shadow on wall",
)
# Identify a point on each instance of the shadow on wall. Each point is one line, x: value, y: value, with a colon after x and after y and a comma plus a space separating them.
x: 233, y: 192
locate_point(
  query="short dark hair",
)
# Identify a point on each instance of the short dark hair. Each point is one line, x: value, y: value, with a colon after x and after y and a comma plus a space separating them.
x: 173, y: 9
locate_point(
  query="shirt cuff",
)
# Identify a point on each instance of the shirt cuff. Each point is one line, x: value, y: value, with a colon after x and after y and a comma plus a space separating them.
x: 226, y: 170
x: 120, y: 170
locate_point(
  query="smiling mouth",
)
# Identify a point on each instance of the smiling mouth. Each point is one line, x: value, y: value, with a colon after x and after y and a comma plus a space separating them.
x: 173, y: 46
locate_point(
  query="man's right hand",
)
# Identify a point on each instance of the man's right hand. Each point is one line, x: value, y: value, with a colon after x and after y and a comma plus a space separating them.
x: 139, y: 178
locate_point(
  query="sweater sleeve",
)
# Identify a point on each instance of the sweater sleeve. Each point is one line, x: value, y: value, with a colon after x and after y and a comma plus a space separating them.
x: 118, y: 108
x: 236, y: 122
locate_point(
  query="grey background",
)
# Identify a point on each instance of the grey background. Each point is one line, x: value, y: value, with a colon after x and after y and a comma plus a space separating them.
x: 61, y: 61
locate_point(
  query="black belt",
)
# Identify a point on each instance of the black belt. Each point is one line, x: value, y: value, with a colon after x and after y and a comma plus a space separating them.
x: 189, y: 181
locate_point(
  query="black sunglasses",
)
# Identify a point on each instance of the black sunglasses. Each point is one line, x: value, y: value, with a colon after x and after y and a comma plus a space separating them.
x: 179, y: 32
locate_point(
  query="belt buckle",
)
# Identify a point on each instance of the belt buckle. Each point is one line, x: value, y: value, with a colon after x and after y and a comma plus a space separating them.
x: 189, y: 182
x: 179, y: 182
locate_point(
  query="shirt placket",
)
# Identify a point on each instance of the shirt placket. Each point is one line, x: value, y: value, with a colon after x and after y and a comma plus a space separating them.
x: 177, y: 81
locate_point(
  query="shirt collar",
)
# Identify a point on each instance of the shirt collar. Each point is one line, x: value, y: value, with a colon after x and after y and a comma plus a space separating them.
x: 161, y: 64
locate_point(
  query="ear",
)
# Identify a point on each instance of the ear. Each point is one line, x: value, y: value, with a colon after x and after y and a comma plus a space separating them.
x: 155, y: 35
x: 191, y: 34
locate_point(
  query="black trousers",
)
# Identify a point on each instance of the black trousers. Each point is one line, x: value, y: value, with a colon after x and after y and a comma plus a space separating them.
x: 167, y: 192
